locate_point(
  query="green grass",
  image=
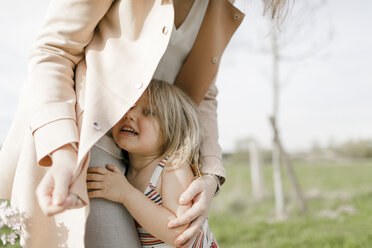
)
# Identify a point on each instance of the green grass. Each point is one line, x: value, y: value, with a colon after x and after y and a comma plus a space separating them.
x: 234, y: 230
x: 238, y: 221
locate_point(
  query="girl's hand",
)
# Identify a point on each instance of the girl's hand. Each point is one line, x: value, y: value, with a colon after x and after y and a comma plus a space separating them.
x: 52, y: 192
x: 107, y: 183
x: 200, y: 192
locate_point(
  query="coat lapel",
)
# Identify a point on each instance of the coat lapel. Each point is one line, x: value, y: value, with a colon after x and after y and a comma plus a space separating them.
x: 120, y: 60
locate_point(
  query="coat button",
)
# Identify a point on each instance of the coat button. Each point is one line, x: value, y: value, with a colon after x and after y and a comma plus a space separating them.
x: 236, y: 16
x: 165, y: 30
x: 139, y: 85
x: 215, y: 60
x: 96, y: 126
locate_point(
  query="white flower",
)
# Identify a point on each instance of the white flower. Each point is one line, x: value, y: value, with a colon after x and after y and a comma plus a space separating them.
x: 3, y: 238
x: 10, y: 217
x: 3, y: 204
x: 12, y: 238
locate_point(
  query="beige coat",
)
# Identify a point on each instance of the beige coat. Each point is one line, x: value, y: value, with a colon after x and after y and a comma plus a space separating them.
x: 88, y: 66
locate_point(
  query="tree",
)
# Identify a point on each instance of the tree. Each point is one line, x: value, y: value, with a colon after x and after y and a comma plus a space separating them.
x: 293, y: 41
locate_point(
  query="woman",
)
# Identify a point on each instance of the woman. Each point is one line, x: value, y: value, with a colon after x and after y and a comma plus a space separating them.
x: 86, y: 53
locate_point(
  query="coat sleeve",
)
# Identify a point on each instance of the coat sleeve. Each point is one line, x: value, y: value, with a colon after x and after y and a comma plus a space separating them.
x: 67, y: 30
x: 211, y: 150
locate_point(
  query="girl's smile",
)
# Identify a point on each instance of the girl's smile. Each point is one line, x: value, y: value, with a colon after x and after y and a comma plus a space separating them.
x: 127, y: 130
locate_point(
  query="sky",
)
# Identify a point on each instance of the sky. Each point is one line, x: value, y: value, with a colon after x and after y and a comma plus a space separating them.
x: 325, y: 98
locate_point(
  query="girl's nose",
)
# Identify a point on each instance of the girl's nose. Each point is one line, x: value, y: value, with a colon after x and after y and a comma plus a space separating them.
x: 131, y: 114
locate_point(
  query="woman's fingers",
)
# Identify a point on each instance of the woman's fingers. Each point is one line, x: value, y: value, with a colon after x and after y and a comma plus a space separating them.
x: 54, y: 209
x: 205, y: 187
x: 201, y: 191
x: 94, y: 185
x: 73, y: 201
x: 194, y: 189
x: 61, y: 185
x: 186, y: 238
x: 53, y: 188
x: 194, y: 212
x: 70, y: 201
x: 44, y: 192
x: 44, y: 195
x: 188, y: 243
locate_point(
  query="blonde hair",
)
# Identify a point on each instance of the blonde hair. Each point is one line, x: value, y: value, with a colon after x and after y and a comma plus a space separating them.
x: 178, y: 119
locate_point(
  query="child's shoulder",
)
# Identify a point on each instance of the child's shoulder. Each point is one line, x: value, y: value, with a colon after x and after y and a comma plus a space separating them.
x: 180, y: 171
x: 176, y: 176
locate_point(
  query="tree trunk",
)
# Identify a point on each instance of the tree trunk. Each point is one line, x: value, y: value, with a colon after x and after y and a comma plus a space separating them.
x: 277, y: 177
x: 256, y: 171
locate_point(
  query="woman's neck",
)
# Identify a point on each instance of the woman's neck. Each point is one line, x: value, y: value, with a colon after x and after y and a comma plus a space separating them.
x: 181, y: 10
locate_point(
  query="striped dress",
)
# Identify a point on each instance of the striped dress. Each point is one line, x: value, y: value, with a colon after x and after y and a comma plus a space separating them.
x: 204, y: 239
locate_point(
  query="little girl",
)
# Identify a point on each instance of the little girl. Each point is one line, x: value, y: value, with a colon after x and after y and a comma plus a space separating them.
x: 161, y: 135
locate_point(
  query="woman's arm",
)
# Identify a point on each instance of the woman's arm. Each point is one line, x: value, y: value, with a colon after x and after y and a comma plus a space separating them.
x: 211, y: 150
x: 112, y: 185
x: 67, y: 29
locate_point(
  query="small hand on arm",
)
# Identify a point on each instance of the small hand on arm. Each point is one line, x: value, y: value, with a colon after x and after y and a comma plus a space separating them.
x: 113, y: 185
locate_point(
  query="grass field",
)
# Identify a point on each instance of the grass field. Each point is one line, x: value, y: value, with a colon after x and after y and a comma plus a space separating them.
x: 339, y: 201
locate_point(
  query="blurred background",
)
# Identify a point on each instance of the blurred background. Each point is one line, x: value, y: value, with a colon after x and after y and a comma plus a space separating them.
x: 302, y: 179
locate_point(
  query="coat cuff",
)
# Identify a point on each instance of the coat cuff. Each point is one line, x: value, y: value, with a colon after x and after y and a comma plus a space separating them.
x: 51, y: 112
x: 213, y: 165
x: 52, y: 136
x: 53, y: 125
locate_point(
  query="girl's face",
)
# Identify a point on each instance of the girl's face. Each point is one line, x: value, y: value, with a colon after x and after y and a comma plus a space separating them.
x: 138, y: 132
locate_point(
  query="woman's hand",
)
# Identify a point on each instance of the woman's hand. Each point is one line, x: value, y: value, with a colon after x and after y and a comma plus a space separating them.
x: 107, y: 183
x: 200, y: 192
x: 52, y: 192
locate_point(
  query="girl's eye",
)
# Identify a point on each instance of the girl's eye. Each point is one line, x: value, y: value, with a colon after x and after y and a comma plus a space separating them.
x: 148, y: 112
